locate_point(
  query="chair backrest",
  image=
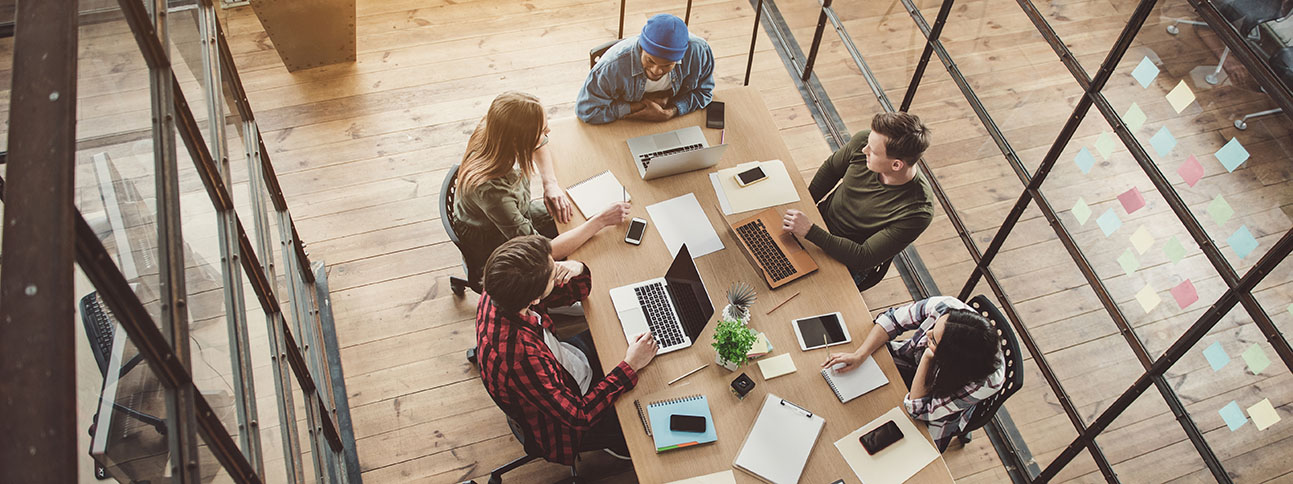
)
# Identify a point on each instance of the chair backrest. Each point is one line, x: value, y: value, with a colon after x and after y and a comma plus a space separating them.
x: 447, y: 192
x: 986, y: 409
x: 596, y: 53
x: 1246, y: 15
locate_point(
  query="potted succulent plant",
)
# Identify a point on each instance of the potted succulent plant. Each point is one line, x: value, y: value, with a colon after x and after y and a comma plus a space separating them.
x: 740, y: 298
x: 732, y: 341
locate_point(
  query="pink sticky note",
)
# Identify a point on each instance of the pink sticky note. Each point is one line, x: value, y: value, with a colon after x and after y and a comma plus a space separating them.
x: 1191, y: 171
x: 1185, y: 294
x: 1132, y: 200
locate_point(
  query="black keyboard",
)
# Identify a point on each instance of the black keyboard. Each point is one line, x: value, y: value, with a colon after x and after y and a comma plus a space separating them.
x: 99, y: 325
x: 767, y: 252
x: 646, y: 159
x: 659, y: 315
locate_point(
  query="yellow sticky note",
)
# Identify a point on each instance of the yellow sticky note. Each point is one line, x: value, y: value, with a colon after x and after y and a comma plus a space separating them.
x: 1142, y: 240
x: 1263, y: 414
x: 1180, y: 97
x: 1148, y: 298
x: 777, y: 366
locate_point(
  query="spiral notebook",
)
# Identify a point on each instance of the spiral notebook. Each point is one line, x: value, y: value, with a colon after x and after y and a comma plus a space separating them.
x: 657, y: 416
x: 598, y: 192
x: 857, y: 382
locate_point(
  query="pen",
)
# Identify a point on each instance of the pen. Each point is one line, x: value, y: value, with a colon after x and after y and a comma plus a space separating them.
x: 722, y: 136
x: 685, y: 375
x: 778, y: 306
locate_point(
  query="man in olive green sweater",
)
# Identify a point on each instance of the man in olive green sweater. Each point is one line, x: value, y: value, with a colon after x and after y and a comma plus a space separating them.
x: 879, y: 203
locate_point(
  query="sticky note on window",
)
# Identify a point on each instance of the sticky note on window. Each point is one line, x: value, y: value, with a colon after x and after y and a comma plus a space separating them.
x: 1242, y: 242
x: 1233, y: 416
x: 1104, y: 145
x: 1142, y: 240
x: 1256, y: 359
x: 1216, y: 355
x: 1128, y: 262
x: 777, y: 366
x: 1084, y: 160
x: 1174, y: 250
x: 1163, y: 141
x: 1185, y: 294
x: 1109, y: 222
x: 1232, y: 155
x: 1191, y: 171
x: 1263, y: 414
x: 1148, y: 298
x: 1180, y: 97
x: 1134, y: 118
x: 1220, y: 210
x: 1145, y: 72
x: 1132, y: 200
x: 1081, y: 211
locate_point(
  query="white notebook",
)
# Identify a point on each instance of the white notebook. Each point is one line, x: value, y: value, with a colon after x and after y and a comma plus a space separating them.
x: 780, y: 440
x: 856, y: 382
x: 595, y: 194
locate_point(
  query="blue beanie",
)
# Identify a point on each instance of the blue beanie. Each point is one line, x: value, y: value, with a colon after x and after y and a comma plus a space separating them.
x: 665, y: 36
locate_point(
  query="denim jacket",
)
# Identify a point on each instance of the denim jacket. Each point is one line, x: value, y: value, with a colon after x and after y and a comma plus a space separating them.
x: 619, y: 79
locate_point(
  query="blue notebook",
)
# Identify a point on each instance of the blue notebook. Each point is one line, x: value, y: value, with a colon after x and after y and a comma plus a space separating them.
x: 659, y: 413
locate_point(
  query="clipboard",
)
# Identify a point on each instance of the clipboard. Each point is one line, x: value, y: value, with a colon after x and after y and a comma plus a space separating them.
x: 780, y: 440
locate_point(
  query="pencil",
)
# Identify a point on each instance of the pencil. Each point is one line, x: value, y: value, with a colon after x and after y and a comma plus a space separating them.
x: 722, y: 136
x: 685, y: 375
x: 778, y: 306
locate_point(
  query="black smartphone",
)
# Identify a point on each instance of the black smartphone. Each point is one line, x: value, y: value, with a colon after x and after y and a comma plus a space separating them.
x: 714, y: 115
x: 884, y: 435
x: 636, y: 228
x: 686, y: 423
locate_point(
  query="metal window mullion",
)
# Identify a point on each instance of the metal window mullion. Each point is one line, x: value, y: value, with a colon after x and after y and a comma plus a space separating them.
x: 299, y: 315
x: 235, y: 303
x: 274, y: 321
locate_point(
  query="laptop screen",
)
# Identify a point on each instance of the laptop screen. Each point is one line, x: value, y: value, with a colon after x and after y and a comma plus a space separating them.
x: 688, y: 291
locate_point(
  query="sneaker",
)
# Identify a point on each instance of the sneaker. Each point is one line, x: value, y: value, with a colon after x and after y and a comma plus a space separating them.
x: 618, y: 456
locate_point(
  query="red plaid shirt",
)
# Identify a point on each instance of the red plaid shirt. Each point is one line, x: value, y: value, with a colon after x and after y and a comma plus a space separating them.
x: 526, y: 380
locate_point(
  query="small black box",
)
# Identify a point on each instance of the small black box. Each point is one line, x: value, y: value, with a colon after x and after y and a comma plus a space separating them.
x: 742, y: 385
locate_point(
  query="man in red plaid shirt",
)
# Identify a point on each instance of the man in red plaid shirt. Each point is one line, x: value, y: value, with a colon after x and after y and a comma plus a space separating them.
x: 555, y: 390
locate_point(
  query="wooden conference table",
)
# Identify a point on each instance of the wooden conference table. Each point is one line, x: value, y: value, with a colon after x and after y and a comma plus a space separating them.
x: 583, y: 150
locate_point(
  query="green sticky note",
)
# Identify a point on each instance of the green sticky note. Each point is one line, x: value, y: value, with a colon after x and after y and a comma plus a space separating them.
x: 1134, y: 117
x: 1175, y: 252
x: 1220, y: 210
x: 1081, y: 211
x: 1256, y: 359
x: 1128, y: 262
x: 1104, y: 145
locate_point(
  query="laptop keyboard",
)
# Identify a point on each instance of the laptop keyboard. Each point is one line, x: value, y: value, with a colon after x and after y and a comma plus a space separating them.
x: 767, y: 252
x: 646, y: 159
x: 659, y: 315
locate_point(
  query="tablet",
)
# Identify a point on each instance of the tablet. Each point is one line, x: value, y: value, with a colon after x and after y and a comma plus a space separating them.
x: 820, y: 331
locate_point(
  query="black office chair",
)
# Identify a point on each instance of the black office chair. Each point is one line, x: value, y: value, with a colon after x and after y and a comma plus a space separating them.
x: 1282, y: 63
x: 985, y: 410
x: 874, y: 276
x: 448, y: 190
x: 1244, y: 15
x: 531, y: 453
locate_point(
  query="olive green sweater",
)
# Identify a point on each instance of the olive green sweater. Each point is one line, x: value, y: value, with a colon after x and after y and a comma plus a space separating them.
x: 867, y: 222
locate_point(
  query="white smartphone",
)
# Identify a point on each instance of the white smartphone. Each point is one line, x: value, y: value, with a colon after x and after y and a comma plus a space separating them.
x: 751, y: 176
x: 636, y: 229
x: 821, y: 331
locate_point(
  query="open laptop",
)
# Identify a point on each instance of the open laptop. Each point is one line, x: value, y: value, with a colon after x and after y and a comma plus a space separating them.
x: 675, y: 308
x: 776, y: 254
x: 675, y: 152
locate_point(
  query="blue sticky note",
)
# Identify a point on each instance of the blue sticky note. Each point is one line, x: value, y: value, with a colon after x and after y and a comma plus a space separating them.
x: 1145, y: 72
x: 1163, y: 141
x: 1232, y: 155
x: 1242, y: 241
x: 1233, y: 416
x: 1084, y: 160
x: 1216, y: 356
x: 1109, y: 222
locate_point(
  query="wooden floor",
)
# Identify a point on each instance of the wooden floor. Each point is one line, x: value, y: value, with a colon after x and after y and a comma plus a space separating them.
x: 361, y: 150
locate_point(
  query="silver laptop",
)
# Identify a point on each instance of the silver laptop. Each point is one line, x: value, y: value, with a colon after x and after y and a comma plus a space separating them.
x: 675, y: 152
x: 675, y: 308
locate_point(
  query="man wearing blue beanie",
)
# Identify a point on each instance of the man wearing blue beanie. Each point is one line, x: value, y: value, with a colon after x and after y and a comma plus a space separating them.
x: 662, y: 73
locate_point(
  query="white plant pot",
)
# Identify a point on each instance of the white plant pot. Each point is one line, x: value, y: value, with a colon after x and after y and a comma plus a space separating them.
x: 724, y: 363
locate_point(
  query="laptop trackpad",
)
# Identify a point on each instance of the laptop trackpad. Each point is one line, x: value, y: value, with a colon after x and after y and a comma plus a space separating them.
x: 666, y: 141
x: 790, y: 242
x: 634, y: 323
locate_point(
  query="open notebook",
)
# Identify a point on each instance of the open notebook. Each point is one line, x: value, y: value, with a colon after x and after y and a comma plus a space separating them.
x: 595, y: 194
x: 855, y: 383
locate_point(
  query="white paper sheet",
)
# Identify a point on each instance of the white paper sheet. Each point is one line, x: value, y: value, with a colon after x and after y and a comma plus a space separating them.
x: 721, y: 477
x: 778, y: 189
x: 893, y: 464
x: 681, y: 220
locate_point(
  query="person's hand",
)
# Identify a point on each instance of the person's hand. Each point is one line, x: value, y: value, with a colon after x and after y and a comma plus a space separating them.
x: 654, y: 111
x: 928, y: 355
x: 641, y: 350
x: 796, y: 222
x: 564, y: 271
x: 558, y: 205
x: 658, y: 97
x: 849, y: 360
x: 614, y: 215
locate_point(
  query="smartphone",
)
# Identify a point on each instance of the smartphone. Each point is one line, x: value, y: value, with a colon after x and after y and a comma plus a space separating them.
x: 636, y: 228
x: 686, y: 423
x: 714, y: 115
x: 751, y: 176
x: 884, y: 435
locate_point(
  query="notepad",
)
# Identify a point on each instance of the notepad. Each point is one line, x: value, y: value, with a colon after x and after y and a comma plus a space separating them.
x: 777, y: 366
x: 659, y: 413
x: 777, y: 447
x: 893, y: 464
x: 595, y: 194
x: 762, y: 347
x: 778, y: 189
x: 721, y: 477
x: 856, y: 382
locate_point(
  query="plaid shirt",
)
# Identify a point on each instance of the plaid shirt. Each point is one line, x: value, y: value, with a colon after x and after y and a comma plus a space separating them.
x: 947, y: 415
x: 529, y: 384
